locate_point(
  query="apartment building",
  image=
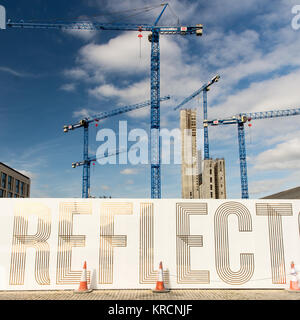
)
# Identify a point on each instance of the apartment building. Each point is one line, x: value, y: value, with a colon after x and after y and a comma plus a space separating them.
x: 13, y: 184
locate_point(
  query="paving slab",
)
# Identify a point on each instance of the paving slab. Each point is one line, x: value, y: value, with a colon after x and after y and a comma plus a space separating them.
x: 192, y: 294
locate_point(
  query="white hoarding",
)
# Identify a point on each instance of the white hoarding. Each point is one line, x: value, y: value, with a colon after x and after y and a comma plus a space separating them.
x: 201, y: 243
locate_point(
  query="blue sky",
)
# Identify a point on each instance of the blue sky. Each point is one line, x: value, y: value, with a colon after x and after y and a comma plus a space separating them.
x: 49, y: 78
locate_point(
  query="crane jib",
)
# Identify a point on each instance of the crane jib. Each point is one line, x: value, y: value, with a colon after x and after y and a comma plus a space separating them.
x: 86, y: 25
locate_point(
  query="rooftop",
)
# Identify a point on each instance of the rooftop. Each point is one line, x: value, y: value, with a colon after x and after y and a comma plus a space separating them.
x: 3, y: 164
x: 293, y: 193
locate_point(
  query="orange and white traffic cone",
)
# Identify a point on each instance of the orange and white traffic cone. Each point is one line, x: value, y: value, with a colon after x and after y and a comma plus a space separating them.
x: 294, y: 281
x: 160, y: 287
x: 297, y: 269
x: 83, y: 286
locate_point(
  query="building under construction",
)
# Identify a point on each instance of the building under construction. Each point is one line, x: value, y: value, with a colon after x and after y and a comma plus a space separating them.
x: 200, y: 179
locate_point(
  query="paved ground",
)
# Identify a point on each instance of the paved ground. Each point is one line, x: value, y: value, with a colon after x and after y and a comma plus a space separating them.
x: 148, y: 295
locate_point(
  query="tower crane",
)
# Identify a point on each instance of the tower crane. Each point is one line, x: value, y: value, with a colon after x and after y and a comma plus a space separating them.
x: 85, y: 124
x: 87, y: 162
x: 155, y: 32
x: 240, y: 120
x: 203, y: 89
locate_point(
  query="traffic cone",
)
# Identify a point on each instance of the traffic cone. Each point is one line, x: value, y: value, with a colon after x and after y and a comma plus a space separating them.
x: 297, y: 269
x: 83, y: 287
x: 160, y: 287
x: 294, y: 281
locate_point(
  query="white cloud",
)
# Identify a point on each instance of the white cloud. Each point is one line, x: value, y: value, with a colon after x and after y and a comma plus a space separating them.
x: 262, y: 96
x: 285, y: 155
x: 69, y: 87
x: 81, y: 34
x: 120, y: 54
x: 110, y: 58
x: 86, y: 113
x: 227, y: 49
x: 14, y: 72
x: 267, y: 186
x: 83, y: 113
x: 139, y: 91
x: 76, y: 73
x: 129, y: 171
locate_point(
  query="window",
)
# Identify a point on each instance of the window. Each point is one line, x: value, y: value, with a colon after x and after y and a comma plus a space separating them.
x: 10, y: 195
x: 9, y: 183
x: 3, y: 180
x: 22, y: 188
x: 1, y: 193
x: 15, y: 196
x: 17, y: 186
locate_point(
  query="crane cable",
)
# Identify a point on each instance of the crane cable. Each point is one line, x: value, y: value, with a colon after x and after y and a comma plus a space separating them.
x: 137, y: 12
x: 144, y: 9
x: 172, y: 11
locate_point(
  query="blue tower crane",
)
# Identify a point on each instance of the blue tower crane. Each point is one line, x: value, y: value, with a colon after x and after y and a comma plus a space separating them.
x: 155, y: 32
x: 203, y: 89
x: 85, y: 124
x: 240, y: 119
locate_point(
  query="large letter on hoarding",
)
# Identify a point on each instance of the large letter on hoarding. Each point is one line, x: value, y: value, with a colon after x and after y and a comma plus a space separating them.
x: 2, y: 18
x: 22, y: 241
x: 185, y: 241
x: 108, y: 240
x: 66, y: 241
x: 146, y: 266
x: 275, y: 211
x: 246, y: 270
